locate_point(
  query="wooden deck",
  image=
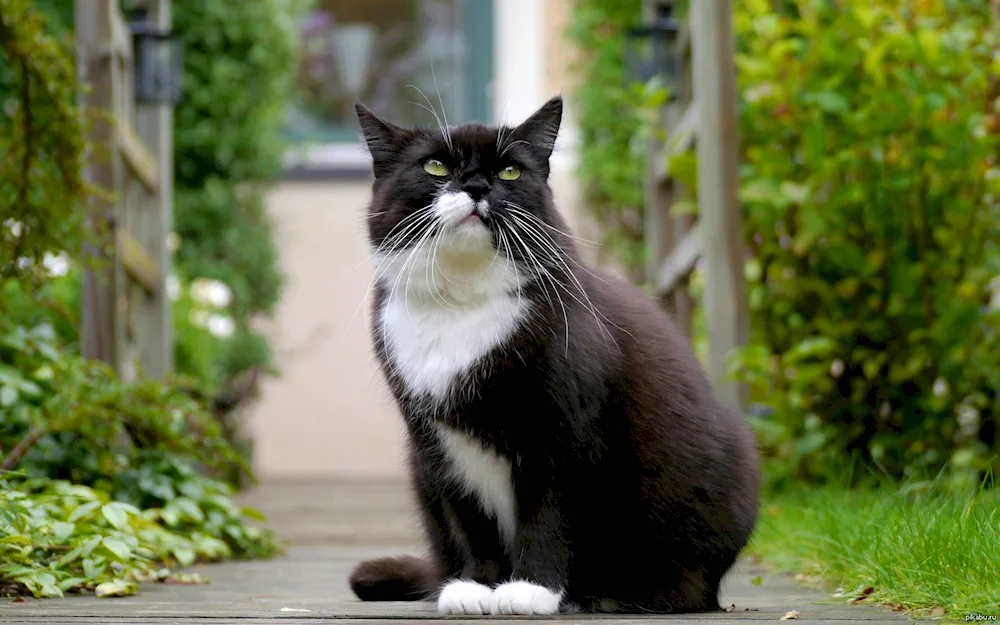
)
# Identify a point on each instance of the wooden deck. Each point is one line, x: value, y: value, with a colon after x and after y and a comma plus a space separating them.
x: 332, y: 525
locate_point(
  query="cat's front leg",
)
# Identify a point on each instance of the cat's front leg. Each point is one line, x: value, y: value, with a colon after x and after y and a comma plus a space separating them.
x: 541, y: 558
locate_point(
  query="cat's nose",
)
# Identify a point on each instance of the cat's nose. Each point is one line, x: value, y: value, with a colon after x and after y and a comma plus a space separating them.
x: 477, y: 187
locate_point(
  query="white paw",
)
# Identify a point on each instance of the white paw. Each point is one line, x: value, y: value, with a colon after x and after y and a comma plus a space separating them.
x: 464, y: 597
x: 524, y: 598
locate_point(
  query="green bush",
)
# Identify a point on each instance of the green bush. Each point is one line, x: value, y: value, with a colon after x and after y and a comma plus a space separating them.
x: 610, y: 122
x: 871, y: 193
x: 102, y: 484
x: 239, y: 60
x: 870, y: 189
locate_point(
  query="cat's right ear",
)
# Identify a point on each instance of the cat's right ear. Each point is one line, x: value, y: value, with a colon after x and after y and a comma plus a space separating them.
x: 383, y: 138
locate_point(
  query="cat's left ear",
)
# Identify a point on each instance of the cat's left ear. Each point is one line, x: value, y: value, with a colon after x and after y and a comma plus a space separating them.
x: 384, y: 139
x: 541, y: 129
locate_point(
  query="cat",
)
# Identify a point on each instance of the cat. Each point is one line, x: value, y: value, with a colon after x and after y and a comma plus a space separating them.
x: 566, y: 449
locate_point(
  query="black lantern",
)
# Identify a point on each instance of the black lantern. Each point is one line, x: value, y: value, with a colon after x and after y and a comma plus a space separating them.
x: 158, y: 69
x: 649, y: 49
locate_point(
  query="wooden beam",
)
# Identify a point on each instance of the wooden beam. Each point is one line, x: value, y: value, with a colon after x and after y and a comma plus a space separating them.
x: 154, y: 221
x: 681, y: 138
x: 720, y: 220
x: 139, y: 265
x: 680, y: 264
x: 140, y: 161
x: 121, y: 38
x: 103, y: 289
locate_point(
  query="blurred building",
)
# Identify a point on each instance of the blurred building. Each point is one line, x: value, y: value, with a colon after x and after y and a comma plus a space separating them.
x: 489, y: 60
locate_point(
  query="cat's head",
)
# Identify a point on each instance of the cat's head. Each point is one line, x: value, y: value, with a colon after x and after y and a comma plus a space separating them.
x: 471, y: 186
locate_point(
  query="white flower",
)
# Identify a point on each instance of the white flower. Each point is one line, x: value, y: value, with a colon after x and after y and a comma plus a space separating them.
x: 13, y: 226
x: 173, y: 287
x: 940, y: 388
x: 967, y: 415
x: 220, y: 294
x: 221, y: 326
x: 837, y: 368
x: 24, y: 263
x: 211, y: 293
x: 56, y: 264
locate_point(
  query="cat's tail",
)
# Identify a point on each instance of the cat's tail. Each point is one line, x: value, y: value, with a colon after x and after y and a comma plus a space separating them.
x: 403, y: 578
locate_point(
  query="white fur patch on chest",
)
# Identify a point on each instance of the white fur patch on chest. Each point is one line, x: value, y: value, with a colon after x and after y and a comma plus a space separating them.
x: 451, y: 300
x: 432, y: 346
x: 484, y: 474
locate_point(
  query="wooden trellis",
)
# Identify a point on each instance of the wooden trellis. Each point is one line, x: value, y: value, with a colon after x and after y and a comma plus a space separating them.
x: 703, y: 115
x: 126, y: 311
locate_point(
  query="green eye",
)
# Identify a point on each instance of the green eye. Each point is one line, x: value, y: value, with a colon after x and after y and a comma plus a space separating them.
x: 435, y: 167
x: 510, y: 172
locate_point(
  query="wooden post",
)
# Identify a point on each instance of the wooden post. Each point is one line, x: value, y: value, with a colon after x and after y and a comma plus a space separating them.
x: 103, y: 290
x: 154, y: 221
x: 658, y: 225
x: 721, y: 227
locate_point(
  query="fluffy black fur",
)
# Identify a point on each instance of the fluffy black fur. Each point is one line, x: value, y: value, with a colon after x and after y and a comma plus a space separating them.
x: 635, y: 487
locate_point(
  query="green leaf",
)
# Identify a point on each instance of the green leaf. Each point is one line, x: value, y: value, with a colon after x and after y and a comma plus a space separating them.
x: 116, y: 514
x: 83, y: 511
x: 116, y: 588
x: 253, y: 513
x: 117, y: 547
x: 829, y: 102
x: 8, y: 396
x: 62, y: 530
x: 16, y: 539
x: 94, y: 567
x: 189, y: 508
x: 184, y: 555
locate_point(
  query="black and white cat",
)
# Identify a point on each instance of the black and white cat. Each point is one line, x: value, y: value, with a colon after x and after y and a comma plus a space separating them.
x: 566, y: 447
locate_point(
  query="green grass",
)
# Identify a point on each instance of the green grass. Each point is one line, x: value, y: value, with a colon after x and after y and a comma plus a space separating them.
x: 916, y: 548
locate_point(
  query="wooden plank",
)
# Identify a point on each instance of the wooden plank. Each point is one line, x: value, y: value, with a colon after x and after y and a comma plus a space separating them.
x: 153, y: 320
x: 121, y: 37
x: 720, y: 221
x: 103, y: 288
x: 682, y: 137
x: 140, y: 161
x: 139, y: 265
x: 680, y: 263
x: 658, y: 235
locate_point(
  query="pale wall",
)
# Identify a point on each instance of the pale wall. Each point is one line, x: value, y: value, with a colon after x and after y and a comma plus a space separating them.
x: 330, y: 413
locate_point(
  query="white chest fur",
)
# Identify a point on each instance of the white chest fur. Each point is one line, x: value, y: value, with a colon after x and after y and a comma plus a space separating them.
x: 451, y: 300
x: 432, y: 346
x: 485, y: 475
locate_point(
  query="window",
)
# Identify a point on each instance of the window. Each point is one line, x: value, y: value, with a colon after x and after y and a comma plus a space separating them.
x: 390, y: 55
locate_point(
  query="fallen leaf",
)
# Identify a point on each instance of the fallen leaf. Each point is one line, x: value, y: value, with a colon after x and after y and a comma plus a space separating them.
x: 938, y: 611
x: 294, y: 610
x: 791, y: 615
x: 19, y: 600
x: 864, y: 594
x: 731, y: 607
x: 757, y: 581
x: 898, y: 608
x: 116, y: 588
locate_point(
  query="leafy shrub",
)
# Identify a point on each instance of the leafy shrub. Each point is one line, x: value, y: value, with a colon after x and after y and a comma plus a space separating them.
x: 610, y: 122
x: 239, y: 60
x: 102, y: 483
x: 870, y: 190
x: 870, y: 185
x: 41, y: 184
